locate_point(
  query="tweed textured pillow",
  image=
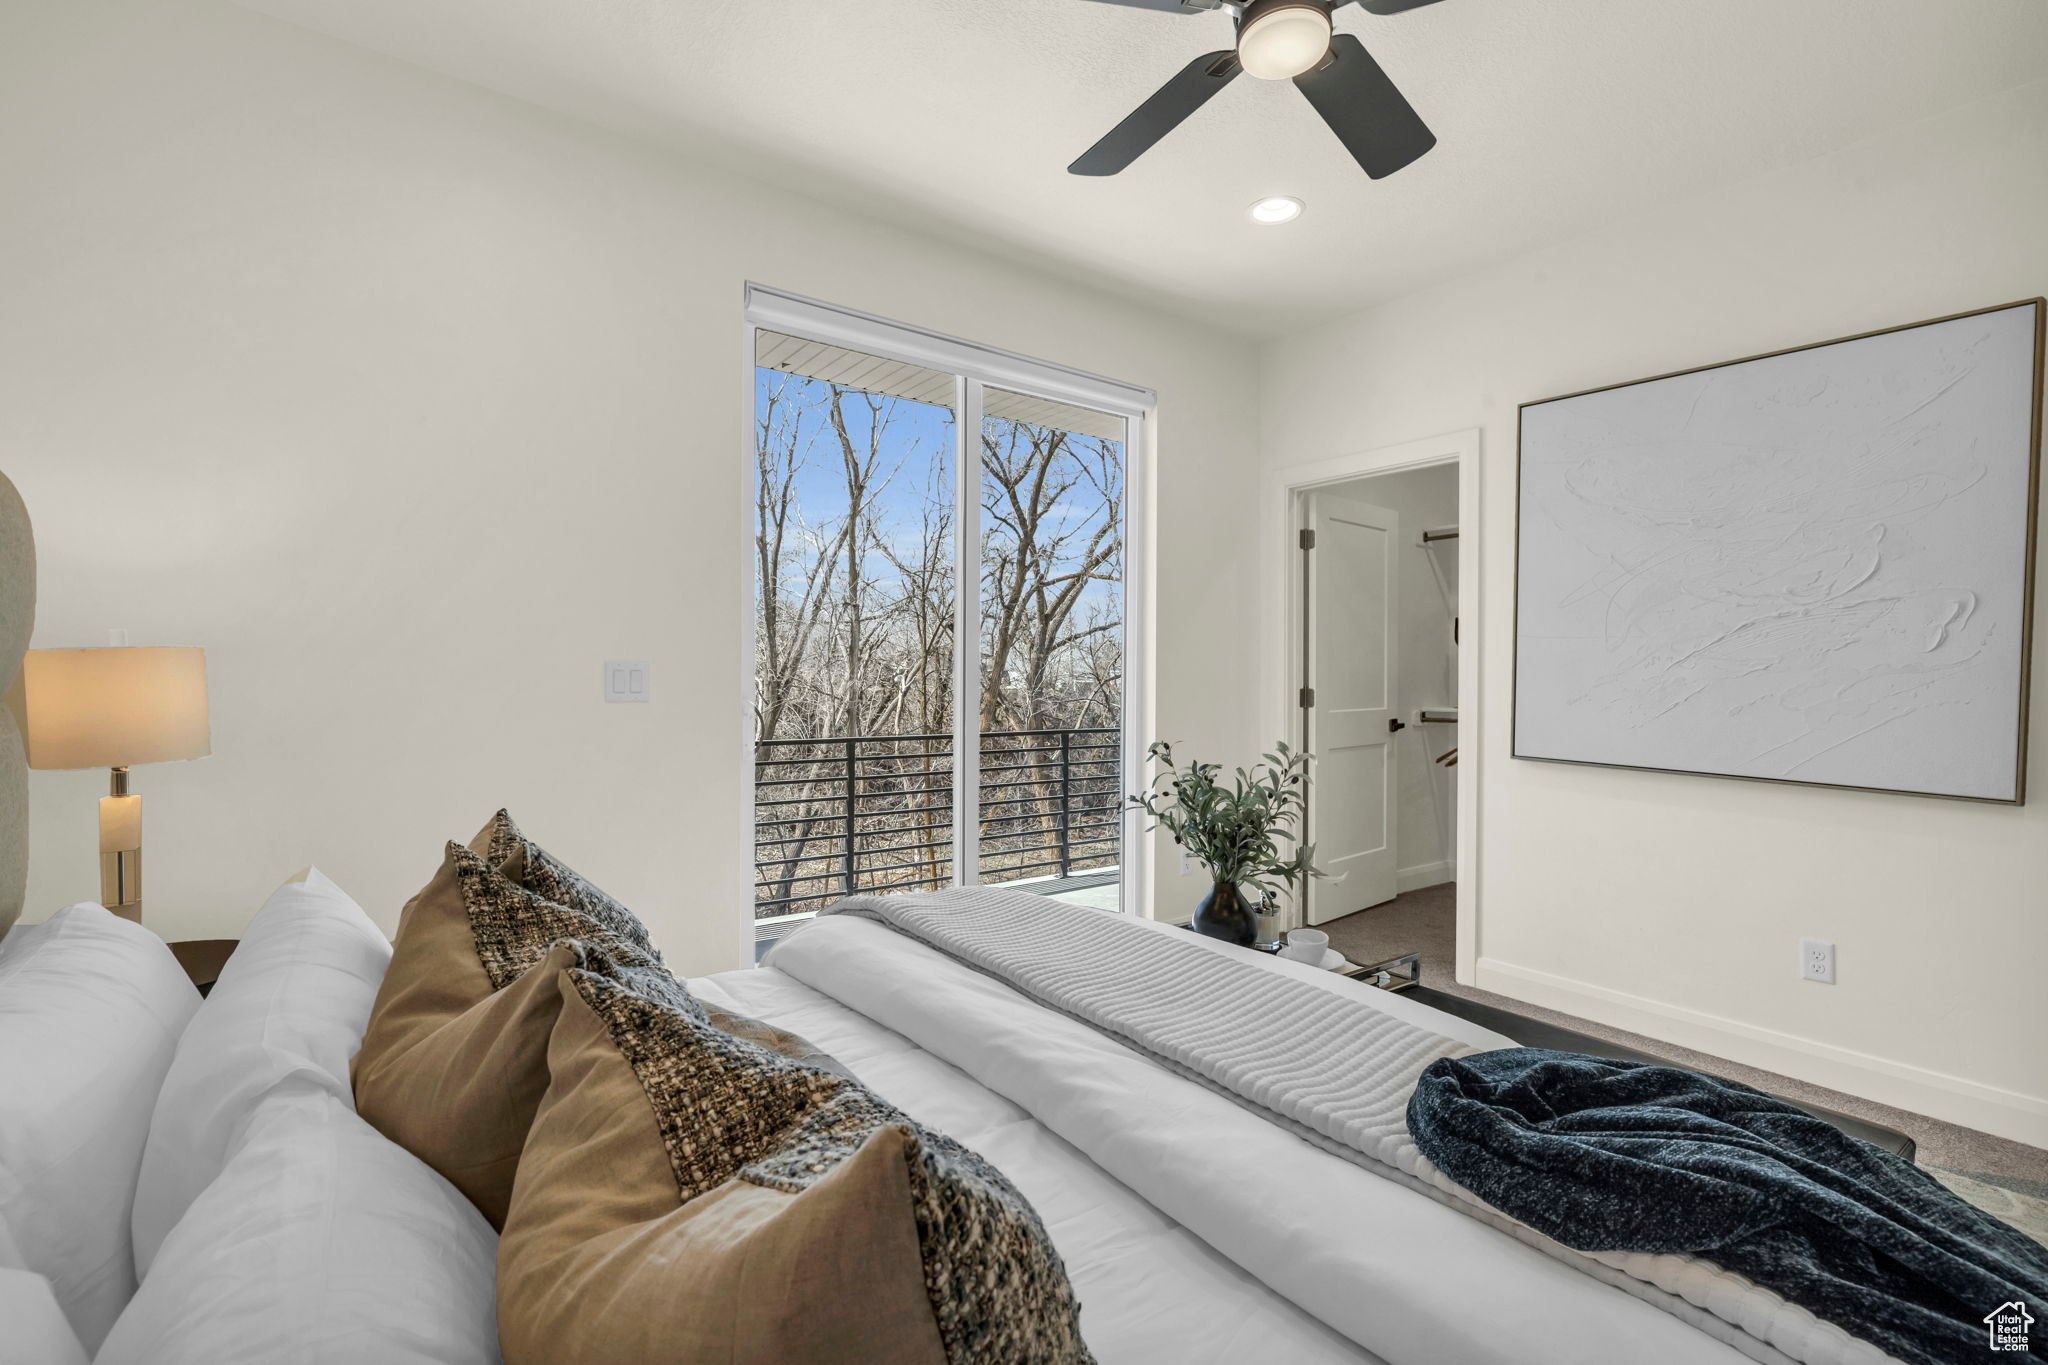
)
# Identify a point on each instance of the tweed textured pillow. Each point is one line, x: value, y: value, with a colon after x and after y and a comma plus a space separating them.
x: 517, y: 858
x: 790, y: 1045
x: 505, y: 848
x: 511, y: 926
x: 686, y: 1194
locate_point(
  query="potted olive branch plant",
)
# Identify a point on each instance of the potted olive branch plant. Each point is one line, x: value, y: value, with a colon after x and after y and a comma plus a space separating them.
x: 1236, y: 830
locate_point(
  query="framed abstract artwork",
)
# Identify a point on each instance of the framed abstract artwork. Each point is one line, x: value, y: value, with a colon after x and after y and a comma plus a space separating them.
x: 1813, y: 566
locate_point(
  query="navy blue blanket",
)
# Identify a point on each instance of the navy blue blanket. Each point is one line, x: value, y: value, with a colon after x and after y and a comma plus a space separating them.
x: 1621, y: 1156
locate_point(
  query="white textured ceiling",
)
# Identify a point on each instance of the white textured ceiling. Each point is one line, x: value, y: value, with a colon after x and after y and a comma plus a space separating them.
x: 960, y: 116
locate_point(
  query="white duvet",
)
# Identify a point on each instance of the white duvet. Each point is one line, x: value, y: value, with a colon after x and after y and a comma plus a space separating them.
x: 1150, y: 1290
x: 1193, y: 1229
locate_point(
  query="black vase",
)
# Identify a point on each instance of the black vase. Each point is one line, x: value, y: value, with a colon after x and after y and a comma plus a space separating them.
x: 1224, y: 914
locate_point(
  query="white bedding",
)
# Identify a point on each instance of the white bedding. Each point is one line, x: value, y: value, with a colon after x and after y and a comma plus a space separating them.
x: 1334, y: 1068
x: 1150, y: 1290
x: 1165, y: 1197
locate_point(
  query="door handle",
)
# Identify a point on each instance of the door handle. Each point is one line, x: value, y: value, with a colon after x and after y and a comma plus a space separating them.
x: 1395, y: 725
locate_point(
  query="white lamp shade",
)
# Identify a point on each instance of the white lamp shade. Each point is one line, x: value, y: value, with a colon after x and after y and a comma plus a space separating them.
x: 110, y: 708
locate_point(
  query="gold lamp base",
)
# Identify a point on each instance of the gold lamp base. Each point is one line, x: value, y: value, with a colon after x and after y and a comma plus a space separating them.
x: 121, y: 849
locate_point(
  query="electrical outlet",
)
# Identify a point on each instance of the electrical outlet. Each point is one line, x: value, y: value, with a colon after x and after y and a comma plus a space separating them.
x: 1817, y: 961
x: 1187, y: 863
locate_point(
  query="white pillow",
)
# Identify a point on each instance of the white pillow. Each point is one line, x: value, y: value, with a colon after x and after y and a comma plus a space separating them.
x: 321, y: 1242
x: 291, y: 1001
x: 91, y: 1006
x: 33, y: 1329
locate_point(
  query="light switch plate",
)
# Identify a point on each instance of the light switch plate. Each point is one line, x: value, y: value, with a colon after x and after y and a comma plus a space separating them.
x: 625, y: 680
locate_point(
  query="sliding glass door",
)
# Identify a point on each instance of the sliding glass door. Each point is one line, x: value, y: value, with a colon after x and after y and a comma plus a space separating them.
x: 853, y: 628
x: 894, y: 501
x: 1049, y: 711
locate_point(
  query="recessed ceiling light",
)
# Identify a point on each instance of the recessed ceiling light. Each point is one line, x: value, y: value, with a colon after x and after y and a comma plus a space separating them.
x: 1279, y: 209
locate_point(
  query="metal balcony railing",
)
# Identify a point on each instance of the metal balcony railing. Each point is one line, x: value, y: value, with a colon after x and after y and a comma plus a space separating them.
x: 875, y: 813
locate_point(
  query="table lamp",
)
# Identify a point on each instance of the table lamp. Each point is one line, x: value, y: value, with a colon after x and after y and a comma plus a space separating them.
x: 112, y: 708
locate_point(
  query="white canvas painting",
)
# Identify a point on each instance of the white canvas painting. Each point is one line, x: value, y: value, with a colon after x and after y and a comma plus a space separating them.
x: 1809, y: 567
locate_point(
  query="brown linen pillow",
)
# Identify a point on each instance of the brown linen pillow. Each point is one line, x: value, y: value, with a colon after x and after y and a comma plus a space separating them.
x: 468, y: 936
x: 688, y: 1195
x: 463, y: 1097
x: 504, y: 847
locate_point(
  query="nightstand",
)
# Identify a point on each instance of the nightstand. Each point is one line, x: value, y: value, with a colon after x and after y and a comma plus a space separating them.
x: 202, y: 959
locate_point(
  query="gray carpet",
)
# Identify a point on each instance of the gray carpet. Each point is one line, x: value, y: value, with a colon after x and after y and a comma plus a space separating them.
x: 1426, y: 921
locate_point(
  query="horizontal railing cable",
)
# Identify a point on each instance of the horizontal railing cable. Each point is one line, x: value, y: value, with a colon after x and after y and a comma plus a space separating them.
x: 831, y: 819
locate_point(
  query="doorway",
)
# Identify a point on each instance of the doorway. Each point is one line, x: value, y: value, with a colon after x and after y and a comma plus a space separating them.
x: 1379, y: 700
x: 1374, y: 575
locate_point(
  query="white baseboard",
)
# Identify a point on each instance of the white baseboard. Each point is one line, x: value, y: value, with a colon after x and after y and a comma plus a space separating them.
x: 1424, y: 874
x: 1956, y: 1099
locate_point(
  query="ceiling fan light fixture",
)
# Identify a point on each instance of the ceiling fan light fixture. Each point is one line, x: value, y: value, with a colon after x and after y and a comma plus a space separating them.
x: 1279, y: 209
x: 1280, y: 39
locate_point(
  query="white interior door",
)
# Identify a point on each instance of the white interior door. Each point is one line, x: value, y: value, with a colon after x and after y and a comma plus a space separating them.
x: 1350, y: 633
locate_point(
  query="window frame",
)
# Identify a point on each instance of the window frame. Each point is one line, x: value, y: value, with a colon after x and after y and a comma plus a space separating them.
x: 975, y: 368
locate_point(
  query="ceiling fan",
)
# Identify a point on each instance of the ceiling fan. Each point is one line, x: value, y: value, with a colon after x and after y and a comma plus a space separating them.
x: 1280, y: 40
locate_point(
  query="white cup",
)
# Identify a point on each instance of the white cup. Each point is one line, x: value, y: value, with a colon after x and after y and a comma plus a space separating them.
x: 1306, y: 945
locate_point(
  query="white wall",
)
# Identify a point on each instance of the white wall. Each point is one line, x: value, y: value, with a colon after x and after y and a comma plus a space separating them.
x: 1675, y: 904
x: 411, y: 404
x: 1425, y: 792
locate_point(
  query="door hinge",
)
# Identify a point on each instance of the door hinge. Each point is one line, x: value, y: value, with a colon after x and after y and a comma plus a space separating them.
x: 1308, y: 538
x: 1308, y: 698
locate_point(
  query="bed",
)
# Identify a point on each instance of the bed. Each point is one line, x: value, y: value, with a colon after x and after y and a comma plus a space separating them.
x: 1120, y: 1157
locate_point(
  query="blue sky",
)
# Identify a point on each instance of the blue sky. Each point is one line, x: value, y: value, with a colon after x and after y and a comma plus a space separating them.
x: 920, y: 445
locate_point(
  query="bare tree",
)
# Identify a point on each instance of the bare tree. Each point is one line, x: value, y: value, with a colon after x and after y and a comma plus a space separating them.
x: 854, y: 614
x: 1052, y: 508
x: 857, y: 630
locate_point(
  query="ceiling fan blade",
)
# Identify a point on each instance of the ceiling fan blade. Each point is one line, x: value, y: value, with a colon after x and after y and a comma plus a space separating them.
x: 1181, y: 6
x: 1373, y: 6
x: 1369, y: 116
x: 1160, y: 115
